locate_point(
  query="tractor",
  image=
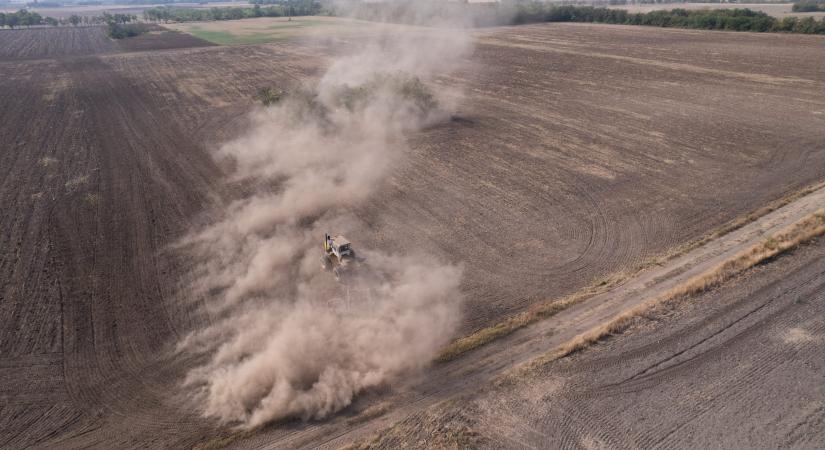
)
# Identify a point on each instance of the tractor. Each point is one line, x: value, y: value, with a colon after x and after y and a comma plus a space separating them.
x: 338, y: 256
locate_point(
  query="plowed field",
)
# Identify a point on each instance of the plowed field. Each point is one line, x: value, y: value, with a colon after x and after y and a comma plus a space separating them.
x: 737, y: 367
x: 577, y: 151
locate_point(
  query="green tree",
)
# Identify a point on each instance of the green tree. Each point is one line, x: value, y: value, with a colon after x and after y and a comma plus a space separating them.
x: 809, y: 6
x: 35, y: 19
x: 12, y: 20
x: 786, y: 24
x: 74, y: 19
x: 806, y: 25
x: 23, y: 18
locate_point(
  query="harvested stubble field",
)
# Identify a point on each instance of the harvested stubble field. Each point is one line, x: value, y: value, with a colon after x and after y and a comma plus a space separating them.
x: 577, y: 151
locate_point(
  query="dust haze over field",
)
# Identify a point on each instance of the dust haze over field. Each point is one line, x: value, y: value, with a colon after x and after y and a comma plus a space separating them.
x: 578, y: 151
x: 280, y: 348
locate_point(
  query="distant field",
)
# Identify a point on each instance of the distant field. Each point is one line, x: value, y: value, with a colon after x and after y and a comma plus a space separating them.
x: 266, y: 29
x: 53, y: 42
x: 97, y: 10
x: 775, y: 9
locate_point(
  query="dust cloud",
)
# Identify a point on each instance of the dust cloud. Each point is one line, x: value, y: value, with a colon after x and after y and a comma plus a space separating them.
x: 284, y: 340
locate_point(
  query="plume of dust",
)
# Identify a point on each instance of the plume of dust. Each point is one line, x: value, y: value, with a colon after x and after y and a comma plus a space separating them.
x: 276, y: 348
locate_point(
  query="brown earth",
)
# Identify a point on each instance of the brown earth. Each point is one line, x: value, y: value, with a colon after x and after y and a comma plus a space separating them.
x: 159, y: 38
x: 579, y: 150
x: 417, y: 402
x: 69, y: 42
x: 601, y: 146
x: 738, y: 367
x: 54, y: 42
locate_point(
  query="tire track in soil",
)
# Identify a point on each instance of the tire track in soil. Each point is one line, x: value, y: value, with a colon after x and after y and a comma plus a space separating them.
x: 130, y: 190
x: 151, y: 106
x: 655, y: 369
x: 478, y: 367
x: 116, y: 365
x: 131, y: 186
x: 674, y: 344
x: 775, y: 310
x: 763, y: 365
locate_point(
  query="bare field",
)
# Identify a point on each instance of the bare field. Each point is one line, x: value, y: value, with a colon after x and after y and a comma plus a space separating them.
x: 54, y: 42
x: 70, y: 42
x: 683, y: 376
x: 577, y: 151
x: 597, y: 158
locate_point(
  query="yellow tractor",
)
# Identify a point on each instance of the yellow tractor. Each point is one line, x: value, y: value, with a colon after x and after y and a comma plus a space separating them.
x: 338, y: 255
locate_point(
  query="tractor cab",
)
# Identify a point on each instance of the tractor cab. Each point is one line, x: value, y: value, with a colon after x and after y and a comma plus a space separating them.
x: 338, y: 246
x: 338, y: 255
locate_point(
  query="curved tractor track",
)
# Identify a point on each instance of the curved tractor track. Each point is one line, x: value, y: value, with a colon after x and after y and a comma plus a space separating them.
x: 481, y: 369
x: 104, y: 198
x: 576, y: 152
x: 689, y: 375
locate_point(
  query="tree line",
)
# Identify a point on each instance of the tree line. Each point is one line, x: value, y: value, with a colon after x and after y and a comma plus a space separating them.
x: 123, y: 26
x: 119, y: 25
x: 503, y: 13
x: 809, y: 6
x: 705, y: 19
x: 515, y: 12
x: 661, y: 2
x: 25, y: 18
x: 277, y: 9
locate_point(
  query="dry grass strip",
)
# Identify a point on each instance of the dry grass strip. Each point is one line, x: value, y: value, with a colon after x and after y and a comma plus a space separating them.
x: 533, y: 314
